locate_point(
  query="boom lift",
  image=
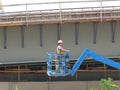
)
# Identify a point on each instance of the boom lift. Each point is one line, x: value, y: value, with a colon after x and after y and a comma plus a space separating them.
x: 57, y: 64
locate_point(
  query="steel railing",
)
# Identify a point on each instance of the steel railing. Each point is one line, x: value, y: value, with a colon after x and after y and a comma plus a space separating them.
x: 61, y: 15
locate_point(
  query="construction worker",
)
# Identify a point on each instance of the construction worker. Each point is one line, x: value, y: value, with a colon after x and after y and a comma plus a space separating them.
x: 60, y: 51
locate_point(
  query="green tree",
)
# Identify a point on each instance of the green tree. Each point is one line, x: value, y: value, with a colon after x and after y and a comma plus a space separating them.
x: 93, y: 89
x: 16, y: 88
x: 107, y: 84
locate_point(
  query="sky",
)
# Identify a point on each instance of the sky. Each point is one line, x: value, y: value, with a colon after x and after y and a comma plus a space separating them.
x: 52, y: 6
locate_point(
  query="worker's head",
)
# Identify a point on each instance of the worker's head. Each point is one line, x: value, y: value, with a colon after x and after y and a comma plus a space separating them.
x: 60, y: 42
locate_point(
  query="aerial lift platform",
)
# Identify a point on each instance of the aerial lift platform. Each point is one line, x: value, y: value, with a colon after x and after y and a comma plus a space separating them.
x: 57, y: 64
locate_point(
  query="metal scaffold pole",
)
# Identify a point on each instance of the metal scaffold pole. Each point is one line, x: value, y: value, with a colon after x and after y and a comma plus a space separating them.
x: 26, y: 15
x: 1, y: 6
x: 101, y: 10
x: 60, y: 12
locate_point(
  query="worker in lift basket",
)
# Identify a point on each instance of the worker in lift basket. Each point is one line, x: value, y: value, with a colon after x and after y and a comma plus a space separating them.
x: 60, y: 51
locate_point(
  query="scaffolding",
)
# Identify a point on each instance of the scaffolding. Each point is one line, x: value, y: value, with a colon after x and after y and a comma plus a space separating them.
x: 59, y: 15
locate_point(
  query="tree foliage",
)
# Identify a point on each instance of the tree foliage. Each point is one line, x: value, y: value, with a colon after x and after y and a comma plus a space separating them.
x: 107, y: 84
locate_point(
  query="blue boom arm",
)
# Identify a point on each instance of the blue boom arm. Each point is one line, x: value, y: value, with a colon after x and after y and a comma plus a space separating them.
x: 79, y: 61
x: 96, y: 57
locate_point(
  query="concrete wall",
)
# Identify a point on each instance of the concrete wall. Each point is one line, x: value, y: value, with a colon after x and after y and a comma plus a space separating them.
x: 33, y: 52
x: 73, y: 85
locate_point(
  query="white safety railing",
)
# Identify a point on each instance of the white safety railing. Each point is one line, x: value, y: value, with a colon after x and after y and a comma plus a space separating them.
x: 60, y: 14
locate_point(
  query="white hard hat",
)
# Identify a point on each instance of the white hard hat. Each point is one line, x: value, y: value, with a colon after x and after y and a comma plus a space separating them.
x: 60, y: 41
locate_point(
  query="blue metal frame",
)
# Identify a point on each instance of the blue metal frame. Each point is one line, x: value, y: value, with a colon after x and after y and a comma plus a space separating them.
x: 51, y: 57
x: 56, y: 64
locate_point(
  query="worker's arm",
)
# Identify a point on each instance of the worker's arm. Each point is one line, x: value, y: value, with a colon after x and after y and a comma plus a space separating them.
x: 64, y: 50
